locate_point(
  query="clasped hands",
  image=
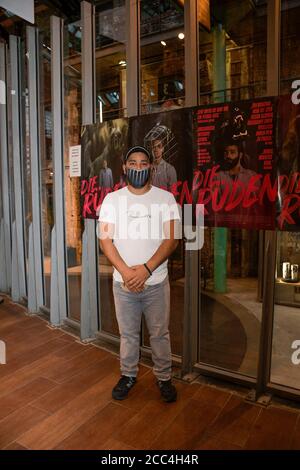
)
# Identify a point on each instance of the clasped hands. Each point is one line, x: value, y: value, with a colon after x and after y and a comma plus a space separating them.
x: 134, y: 277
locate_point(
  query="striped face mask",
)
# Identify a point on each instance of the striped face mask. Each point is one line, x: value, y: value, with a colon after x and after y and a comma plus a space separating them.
x: 138, y: 178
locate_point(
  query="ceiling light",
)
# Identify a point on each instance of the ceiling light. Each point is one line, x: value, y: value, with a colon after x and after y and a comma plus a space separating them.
x: 181, y: 36
x: 163, y: 43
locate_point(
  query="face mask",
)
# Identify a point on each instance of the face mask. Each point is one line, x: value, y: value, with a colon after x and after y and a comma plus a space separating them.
x: 229, y: 164
x: 138, y: 178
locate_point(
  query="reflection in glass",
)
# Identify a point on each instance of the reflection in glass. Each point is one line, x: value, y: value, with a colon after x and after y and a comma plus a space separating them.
x: 1, y: 198
x: 285, y: 367
x: 110, y: 104
x: 290, y: 40
x: 47, y: 208
x: 177, y: 279
x: 163, y: 89
x: 110, y: 23
x: 72, y: 126
x: 9, y: 140
x: 110, y: 62
x: 232, y: 51
x: 230, y: 308
x: 111, y: 86
x: 162, y: 56
x: 25, y: 146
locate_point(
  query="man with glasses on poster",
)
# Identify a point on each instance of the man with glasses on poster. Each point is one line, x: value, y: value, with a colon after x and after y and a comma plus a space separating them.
x: 161, y: 144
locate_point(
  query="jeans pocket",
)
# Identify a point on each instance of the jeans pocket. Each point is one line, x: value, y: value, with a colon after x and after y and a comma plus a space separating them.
x: 116, y: 284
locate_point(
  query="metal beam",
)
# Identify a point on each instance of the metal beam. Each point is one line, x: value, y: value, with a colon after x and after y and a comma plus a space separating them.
x: 58, y: 275
x: 89, y: 277
x: 192, y: 257
x: 273, y: 47
x: 34, y: 116
x: 133, y: 80
x: 273, y: 85
x: 191, y: 52
x: 17, y: 150
x: 5, y: 181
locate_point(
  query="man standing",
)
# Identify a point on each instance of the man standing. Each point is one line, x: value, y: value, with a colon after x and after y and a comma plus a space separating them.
x: 105, y: 177
x: 139, y: 225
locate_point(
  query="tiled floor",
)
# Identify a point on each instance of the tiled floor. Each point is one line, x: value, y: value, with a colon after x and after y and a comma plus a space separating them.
x: 55, y: 393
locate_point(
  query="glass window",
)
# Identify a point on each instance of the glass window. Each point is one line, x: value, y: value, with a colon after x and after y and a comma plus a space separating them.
x: 1, y: 193
x: 110, y: 104
x: 290, y: 42
x: 162, y: 55
x: 110, y: 60
x: 46, y: 163
x: 72, y: 126
x: 285, y: 368
x: 9, y: 139
x: 230, y: 305
x: 232, y: 50
x: 25, y: 146
x: 232, y: 60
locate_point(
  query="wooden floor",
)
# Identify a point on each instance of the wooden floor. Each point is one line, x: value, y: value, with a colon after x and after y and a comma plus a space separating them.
x: 56, y: 394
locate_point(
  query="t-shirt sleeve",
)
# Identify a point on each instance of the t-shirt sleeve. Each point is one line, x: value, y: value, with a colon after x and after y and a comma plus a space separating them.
x: 107, y: 211
x: 170, y: 209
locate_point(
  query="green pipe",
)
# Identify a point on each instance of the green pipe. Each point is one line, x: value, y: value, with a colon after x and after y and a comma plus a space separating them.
x: 219, y: 83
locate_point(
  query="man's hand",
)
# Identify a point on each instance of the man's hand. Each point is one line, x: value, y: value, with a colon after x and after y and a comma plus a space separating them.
x: 138, y: 280
x: 129, y: 277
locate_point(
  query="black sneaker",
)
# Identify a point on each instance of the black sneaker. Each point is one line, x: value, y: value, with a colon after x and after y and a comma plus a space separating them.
x: 120, y: 391
x: 167, y: 390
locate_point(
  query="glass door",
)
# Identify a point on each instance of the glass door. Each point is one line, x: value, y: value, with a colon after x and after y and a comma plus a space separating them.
x: 72, y: 129
x: 111, y: 104
x: 230, y: 309
x: 285, y: 363
x: 46, y: 155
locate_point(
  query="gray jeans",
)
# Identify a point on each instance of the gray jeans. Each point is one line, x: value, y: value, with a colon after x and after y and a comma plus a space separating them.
x: 154, y: 302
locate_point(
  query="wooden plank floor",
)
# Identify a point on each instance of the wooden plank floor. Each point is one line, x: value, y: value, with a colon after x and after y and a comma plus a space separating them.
x: 56, y: 394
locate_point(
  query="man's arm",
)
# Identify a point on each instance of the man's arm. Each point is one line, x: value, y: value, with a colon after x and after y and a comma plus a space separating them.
x: 162, y: 253
x: 111, y: 252
x: 166, y: 248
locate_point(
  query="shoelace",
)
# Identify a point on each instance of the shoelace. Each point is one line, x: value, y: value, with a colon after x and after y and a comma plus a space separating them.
x: 125, y: 382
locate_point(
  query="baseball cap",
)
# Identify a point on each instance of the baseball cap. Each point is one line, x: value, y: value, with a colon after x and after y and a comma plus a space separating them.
x: 138, y: 148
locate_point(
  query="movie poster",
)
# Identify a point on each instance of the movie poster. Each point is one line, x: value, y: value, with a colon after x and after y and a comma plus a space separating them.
x: 221, y: 156
x: 168, y: 137
x: 288, y: 167
x: 234, y: 163
x: 103, y: 149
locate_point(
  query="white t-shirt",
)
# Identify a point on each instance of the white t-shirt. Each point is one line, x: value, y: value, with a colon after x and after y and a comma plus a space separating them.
x: 138, y: 226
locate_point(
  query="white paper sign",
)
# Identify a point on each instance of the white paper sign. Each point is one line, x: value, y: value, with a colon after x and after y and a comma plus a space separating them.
x: 75, y: 160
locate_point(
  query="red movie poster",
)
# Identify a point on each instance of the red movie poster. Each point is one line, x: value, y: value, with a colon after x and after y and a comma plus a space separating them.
x: 288, y: 168
x: 234, y: 168
x: 168, y: 136
x: 103, y: 149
